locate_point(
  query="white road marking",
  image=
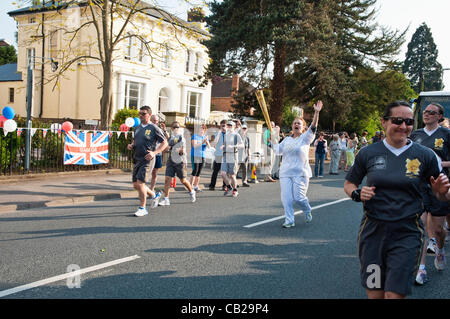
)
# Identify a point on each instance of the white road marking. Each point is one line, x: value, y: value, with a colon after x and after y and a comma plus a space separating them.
x: 65, y: 276
x: 296, y: 213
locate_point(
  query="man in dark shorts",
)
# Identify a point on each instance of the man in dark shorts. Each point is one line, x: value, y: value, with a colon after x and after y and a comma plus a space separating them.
x: 391, y: 235
x: 436, y: 138
x: 158, y: 159
x: 146, y: 136
x: 175, y: 164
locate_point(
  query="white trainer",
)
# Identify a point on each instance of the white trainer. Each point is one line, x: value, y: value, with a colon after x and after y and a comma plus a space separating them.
x: 164, y: 202
x: 155, y: 200
x: 141, y: 212
x: 193, y: 197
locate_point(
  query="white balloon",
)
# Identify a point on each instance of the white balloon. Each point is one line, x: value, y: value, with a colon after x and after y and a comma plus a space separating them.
x: 55, y: 127
x: 10, y: 126
x: 129, y: 122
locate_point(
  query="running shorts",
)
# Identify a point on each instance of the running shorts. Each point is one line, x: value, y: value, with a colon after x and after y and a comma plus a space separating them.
x: 389, y: 253
x: 142, y: 170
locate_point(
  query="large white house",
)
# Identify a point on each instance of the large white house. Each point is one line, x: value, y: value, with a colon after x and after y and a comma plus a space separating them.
x: 162, y: 79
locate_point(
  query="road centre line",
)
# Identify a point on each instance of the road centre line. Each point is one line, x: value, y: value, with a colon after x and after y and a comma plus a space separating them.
x: 296, y: 213
x: 65, y: 276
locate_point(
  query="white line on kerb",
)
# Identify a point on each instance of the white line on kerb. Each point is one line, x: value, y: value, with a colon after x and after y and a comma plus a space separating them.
x: 65, y: 276
x: 296, y: 213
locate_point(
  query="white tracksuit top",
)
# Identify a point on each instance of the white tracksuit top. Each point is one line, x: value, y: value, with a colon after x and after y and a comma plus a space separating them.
x: 295, y: 152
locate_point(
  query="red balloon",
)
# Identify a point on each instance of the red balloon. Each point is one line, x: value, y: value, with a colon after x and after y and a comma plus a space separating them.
x: 2, y: 120
x: 124, y: 128
x: 67, y: 126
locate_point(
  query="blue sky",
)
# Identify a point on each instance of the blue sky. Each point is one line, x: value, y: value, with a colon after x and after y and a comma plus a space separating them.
x: 396, y: 14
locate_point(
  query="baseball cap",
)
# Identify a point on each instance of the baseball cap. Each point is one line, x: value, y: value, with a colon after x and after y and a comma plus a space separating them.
x: 231, y: 123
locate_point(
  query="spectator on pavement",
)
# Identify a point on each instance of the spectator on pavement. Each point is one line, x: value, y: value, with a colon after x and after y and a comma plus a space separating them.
x: 244, y: 155
x: 335, y: 154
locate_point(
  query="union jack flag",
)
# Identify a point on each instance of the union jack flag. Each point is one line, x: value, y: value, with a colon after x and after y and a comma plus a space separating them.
x: 86, y: 148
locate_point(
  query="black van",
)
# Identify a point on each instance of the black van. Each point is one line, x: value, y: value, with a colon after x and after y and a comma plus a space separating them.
x: 424, y: 99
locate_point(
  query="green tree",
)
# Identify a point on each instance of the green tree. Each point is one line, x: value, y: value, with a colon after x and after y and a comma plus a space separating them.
x: 312, y: 45
x: 7, y: 55
x: 374, y: 91
x: 421, y: 65
x: 340, y: 40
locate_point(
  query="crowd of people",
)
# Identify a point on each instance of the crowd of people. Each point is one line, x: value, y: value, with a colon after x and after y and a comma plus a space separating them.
x: 405, y: 196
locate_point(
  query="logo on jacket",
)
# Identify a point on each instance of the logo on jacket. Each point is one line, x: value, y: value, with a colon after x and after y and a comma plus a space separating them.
x: 412, y: 167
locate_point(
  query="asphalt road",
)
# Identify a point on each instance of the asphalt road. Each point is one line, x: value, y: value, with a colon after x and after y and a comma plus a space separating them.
x: 192, y: 250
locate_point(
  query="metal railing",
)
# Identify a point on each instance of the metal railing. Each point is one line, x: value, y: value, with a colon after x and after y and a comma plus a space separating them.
x: 47, y: 153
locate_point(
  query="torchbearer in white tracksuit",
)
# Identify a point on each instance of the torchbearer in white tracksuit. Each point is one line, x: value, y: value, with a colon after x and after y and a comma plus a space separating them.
x: 295, y: 171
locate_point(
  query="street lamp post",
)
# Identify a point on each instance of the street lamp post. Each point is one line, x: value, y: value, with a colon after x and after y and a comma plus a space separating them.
x: 29, y: 100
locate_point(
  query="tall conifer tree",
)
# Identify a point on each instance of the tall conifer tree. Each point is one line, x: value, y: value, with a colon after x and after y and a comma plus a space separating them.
x: 421, y: 65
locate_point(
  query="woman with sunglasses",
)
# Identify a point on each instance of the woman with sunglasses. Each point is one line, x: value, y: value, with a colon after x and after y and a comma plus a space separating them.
x: 436, y: 138
x: 391, y: 232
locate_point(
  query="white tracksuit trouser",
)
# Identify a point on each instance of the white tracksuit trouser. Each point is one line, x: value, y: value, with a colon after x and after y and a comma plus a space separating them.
x: 293, y: 190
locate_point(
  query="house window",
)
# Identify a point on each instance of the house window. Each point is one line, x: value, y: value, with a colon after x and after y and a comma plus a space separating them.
x: 53, y: 44
x: 128, y: 48
x: 167, y: 57
x: 188, y: 61
x: 134, y: 94
x: 11, y: 95
x: 30, y: 54
x: 197, y: 63
x: 193, y: 101
x: 163, y: 101
x: 141, y: 51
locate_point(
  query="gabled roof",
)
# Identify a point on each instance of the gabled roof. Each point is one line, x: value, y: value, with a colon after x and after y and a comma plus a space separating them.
x: 152, y: 11
x: 3, y: 43
x: 8, y: 73
x: 222, y: 87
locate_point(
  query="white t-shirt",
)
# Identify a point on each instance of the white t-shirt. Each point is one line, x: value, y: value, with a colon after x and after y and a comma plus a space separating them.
x: 295, y: 152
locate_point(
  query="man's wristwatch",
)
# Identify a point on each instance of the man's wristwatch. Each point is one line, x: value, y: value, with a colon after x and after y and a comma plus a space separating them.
x: 356, y: 195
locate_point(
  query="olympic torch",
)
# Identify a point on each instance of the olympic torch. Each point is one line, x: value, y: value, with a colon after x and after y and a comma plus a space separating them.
x: 263, y: 106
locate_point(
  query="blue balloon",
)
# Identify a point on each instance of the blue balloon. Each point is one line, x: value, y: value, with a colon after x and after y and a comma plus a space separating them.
x: 137, y: 121
x: 8, y: 112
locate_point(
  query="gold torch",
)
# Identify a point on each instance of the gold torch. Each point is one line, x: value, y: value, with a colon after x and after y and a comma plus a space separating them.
x: 262, y: 104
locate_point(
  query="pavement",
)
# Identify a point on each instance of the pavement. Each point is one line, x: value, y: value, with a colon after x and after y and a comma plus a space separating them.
x: 66, y: 188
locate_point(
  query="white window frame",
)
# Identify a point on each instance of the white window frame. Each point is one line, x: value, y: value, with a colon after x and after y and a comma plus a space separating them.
x: 198, y: 105
x: 188, y: 68
x: 128, y: 49
x: 31, y: 52
x: 141, y: 93
x: 167, y: 57
x: 53, y: 44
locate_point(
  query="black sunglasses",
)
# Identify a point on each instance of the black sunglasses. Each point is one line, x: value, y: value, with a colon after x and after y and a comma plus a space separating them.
x: 175, y: 127
x: 430, y: 112
x: 143, y: 113
x: 400, y: 120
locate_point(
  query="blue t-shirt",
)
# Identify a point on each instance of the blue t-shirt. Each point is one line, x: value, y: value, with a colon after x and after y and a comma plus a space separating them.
x: 198, y: 151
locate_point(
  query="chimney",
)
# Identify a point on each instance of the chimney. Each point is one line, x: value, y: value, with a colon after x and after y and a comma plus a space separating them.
x: 235, y: 83
x: 196, y: 15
